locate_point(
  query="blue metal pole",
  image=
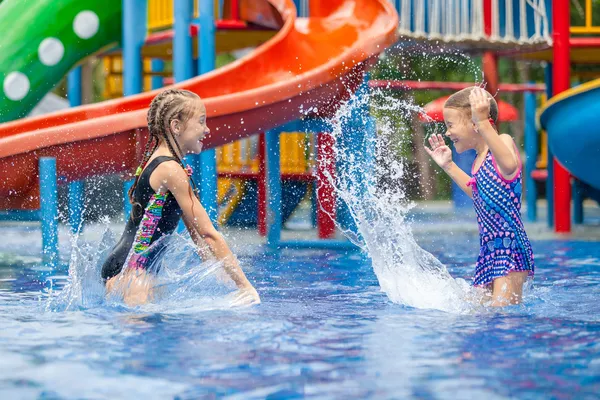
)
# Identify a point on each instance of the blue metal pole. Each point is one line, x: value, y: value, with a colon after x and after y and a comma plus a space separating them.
x: 301, y: 8
x: 75, y: 188
x: 134, y: 35
x: 127, y: 204
x: 531, y: 152
x: 158, y: 81
x: 578, y: 197
x: 353, y: 140
x: 207, y: 52
x: 183, y: 58
x: 74, y: 86
x: 549, y: 167
x: 49, y: 210
x: 304, y: 9
x: 273, y: 188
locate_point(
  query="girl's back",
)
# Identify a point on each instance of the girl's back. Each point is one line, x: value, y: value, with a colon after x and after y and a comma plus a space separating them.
x: 504, y: 243
x: 159, y: 212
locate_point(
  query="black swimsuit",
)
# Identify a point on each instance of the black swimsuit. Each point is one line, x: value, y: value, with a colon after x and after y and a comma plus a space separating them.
x: 161, y: 217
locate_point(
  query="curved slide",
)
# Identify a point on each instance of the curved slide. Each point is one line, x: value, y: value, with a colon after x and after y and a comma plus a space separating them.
x: 42, y: 40
x: 309, y: 65
x: 571, y: 122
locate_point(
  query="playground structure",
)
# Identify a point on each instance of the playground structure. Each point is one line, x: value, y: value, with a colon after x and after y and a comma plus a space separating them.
x: 534, y: 30
x: 252, y: 96
x: 246, y: 97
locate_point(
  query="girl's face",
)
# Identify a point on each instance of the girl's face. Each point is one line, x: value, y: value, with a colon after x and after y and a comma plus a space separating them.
x: 460, y: 130
x: 191, y: 135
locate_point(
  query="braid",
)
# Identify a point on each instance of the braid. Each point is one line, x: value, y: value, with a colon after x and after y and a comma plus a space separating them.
x: 168, y: 105
x: 152, y: 142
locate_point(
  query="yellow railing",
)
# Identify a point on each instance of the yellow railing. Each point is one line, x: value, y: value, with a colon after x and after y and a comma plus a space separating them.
x: 160, y: 14
x: 542, y: 160
x: 237, y: 156
x: 293, y: 152
x: 588, y: 28
x: 113, y: 82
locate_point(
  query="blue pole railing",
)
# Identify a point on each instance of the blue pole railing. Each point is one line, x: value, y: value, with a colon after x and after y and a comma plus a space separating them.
x: 49, y: 210
x: 76, y: 205
x: 549, y: 167
x: 183, y: 58
x: 273, y: 157
x: 208, y: 162
x: 158, y: 81
x: 531, y: 152
x: 578, y: 190
x: 76, y: 189
x: 74, y: 86
x: 134, y: 34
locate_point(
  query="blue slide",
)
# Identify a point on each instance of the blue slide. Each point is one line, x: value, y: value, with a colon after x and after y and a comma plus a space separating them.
x: 572, y: 121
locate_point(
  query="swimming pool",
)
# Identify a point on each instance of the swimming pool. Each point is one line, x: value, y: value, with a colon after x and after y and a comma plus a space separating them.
x: 324, y: 330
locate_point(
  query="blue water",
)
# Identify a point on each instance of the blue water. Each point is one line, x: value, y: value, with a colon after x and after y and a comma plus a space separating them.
x: 323, y: 330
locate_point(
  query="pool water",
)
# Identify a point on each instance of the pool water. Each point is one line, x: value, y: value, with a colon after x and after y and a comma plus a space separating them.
x: 324, y: 330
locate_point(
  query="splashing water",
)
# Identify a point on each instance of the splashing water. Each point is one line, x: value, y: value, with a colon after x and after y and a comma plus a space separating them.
x: 184, y: 282
x: 369, y: 184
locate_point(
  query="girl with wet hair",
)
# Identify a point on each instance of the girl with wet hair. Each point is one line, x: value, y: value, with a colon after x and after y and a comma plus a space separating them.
x: 163, y: 193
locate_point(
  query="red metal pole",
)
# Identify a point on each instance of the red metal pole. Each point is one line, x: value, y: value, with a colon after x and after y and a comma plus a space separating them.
x: 325, y: 191
x: 490, y: 60
x: 561, y: 81
x: 261, y: 183
x: 235, y: 10
x: 487, y: 17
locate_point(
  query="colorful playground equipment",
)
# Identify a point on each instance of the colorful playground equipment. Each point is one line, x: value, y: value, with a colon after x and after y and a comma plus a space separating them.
x: 240, y: 165
x: 535, y: 30
x: 271, y: 90
x: 298, y: 73
x: 568, y: 118
x: 49, y: 39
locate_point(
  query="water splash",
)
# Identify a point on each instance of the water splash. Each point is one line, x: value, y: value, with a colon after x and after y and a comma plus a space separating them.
x: 183, y: 282
x: 370, y: 185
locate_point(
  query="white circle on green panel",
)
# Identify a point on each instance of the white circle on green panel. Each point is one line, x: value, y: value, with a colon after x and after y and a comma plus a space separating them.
x: 86, y: 24
x: 51, y: 51
x: 16, y: 86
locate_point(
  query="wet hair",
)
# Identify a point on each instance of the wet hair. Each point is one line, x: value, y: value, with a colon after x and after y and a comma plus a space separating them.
x: 167, y: 106
x: 460, y: 101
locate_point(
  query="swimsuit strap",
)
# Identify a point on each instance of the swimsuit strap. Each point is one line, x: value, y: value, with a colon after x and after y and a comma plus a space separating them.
x: 155, y: 163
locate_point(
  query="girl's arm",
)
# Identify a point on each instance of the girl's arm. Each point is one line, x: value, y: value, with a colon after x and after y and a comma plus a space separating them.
x: 460, y: 177
x: 501, y: 146
x: 442, y: 155
x: 199, y: 224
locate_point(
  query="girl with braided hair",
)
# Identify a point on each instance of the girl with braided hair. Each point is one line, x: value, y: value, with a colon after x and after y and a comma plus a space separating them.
x: 164, y: 192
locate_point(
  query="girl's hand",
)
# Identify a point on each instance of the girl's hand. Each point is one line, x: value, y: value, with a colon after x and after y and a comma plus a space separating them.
x: 440, y: 152
x: 246, y: 296
x: 480, y: 105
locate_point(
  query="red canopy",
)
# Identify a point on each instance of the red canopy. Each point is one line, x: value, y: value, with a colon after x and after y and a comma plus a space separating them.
x: 434, y: 111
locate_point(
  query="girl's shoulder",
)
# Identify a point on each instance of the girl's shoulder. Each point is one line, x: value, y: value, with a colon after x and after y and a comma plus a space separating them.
x: 167, y: 173
x: 508, y: 140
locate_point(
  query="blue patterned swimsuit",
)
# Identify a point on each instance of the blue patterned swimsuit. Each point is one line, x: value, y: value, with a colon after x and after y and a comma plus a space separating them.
x: 504, y: 244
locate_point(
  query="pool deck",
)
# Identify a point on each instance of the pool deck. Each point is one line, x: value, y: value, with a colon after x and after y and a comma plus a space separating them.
x: 23, y: 239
